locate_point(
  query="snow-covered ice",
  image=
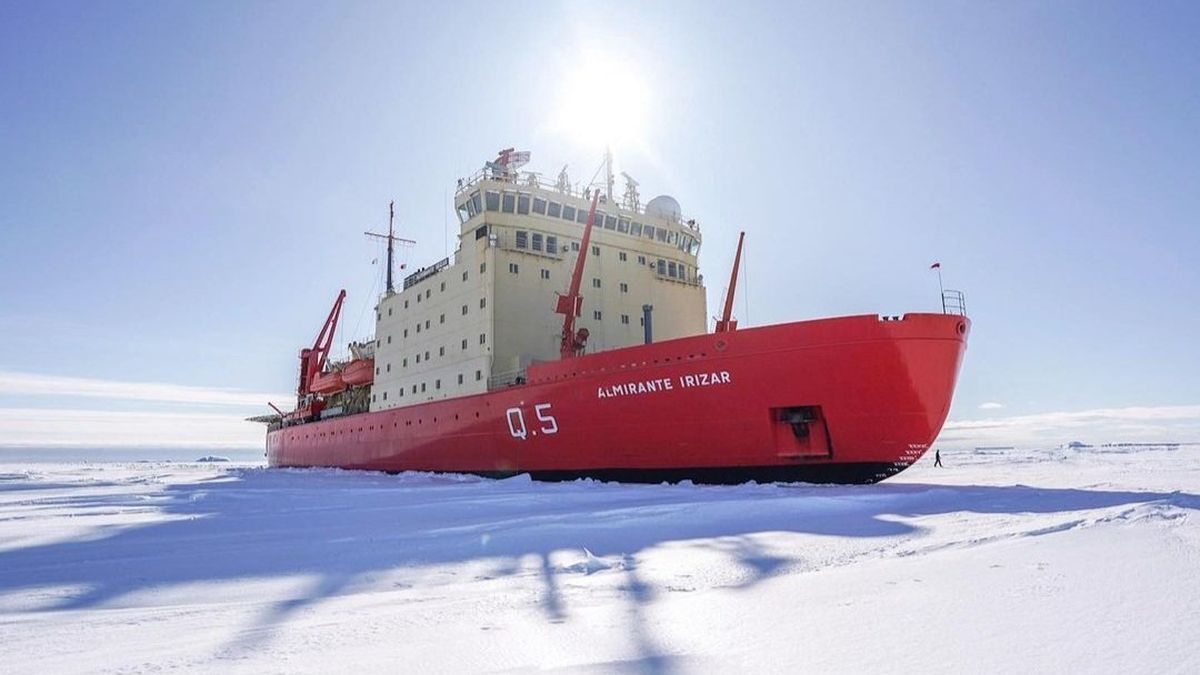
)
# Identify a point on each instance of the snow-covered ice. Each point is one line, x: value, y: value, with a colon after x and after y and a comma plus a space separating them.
x: 1054, y: 561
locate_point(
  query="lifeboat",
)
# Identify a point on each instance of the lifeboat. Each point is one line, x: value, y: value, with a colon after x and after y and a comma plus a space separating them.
x: 330, y: 382
x: 359, y: 372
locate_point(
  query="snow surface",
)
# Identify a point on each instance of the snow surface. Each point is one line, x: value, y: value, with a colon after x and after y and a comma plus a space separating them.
x: 1058, y: 561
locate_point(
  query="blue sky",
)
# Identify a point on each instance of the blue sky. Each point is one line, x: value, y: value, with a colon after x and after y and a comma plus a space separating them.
x: 184, y: 185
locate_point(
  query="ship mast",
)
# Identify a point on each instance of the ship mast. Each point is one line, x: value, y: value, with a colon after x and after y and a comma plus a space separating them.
x: 391, y: 244
x: 571, y: 304
x: 727, y: 323
x: 608, y: 174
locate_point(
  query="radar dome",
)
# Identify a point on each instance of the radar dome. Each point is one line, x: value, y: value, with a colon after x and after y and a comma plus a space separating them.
x: 665, y: 206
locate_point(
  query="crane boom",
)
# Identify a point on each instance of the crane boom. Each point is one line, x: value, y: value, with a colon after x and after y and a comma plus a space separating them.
x: 312, y: 359
x: 571, y: 304
x: 727, y: 322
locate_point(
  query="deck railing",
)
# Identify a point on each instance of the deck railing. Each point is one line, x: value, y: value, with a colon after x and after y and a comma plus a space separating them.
x: 954, y: 302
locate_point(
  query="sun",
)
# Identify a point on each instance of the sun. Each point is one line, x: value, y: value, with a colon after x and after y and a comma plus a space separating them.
x: 602, y: 100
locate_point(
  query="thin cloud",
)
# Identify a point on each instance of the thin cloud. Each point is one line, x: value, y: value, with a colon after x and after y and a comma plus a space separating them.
x: 31, y: 384
x: 1149, y: 424
x: 37, y: 427
x: 991, y: 405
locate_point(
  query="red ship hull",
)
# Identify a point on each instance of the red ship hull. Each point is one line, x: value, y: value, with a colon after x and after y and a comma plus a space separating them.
x: 847, y: 400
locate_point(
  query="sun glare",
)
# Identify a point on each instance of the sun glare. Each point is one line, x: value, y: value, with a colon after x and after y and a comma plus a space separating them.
x: 603, y: 100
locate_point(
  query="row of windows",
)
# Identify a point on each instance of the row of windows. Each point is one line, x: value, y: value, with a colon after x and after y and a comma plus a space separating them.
x: 428, y: 355
x: 429, y: 291
x: 522, y: 203
x: 599, y: 316
x: 422, y: 387
x: 537, y: 242
x: 665, y: 268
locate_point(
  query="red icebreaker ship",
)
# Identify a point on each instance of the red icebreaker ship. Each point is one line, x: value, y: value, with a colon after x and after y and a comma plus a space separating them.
x: 469, y: 370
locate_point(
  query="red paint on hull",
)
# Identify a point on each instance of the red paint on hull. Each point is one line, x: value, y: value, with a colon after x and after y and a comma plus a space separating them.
x: 850, y: 399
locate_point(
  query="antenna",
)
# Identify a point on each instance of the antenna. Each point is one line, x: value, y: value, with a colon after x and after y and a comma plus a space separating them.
x: 608, y: 173
x: 391, y: 241
x: 632, y: 200
x: 564, y: 181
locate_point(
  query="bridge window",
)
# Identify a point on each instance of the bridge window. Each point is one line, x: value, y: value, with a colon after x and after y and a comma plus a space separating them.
x: 539, y: 206
x: 523, y: 204
x: 660, y: 234
x: 568, y: 212
x: 522, y: 239
x: 649, y: 231
x: 635, y: 229
x: 475, y: 202
x: 623, y: 225
x: 554, y: 209
x: 581, y: 216
x: 551, y: 244
x: 537, y: 241
x: 509, y: 203
x: 610, y: 222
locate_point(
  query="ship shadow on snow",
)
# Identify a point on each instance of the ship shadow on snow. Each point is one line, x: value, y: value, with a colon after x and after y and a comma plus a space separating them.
x: 344, y: 529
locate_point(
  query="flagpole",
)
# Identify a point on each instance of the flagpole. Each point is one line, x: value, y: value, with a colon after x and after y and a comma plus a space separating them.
x: 941, y: 288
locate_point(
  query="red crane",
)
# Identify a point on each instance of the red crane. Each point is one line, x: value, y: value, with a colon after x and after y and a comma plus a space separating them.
x: 312, y: 359
x: 571, y: 304
x: 727, y: 322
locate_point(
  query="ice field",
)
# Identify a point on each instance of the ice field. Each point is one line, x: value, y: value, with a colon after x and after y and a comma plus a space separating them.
x: 1056, y: 561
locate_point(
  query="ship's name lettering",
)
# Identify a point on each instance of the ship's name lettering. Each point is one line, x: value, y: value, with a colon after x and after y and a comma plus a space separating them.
x: 664, y: 384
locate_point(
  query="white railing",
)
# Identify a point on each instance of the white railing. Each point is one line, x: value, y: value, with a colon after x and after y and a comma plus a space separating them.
x: 530, y: 179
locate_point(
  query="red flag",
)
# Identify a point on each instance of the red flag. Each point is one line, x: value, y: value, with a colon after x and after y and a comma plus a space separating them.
x: 936, y: 266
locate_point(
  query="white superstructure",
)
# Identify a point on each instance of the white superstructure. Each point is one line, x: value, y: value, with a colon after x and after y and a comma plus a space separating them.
x: 476, y: 320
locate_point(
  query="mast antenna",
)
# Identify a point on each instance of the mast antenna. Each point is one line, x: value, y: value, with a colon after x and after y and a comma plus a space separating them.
x: 392, y: 239
x: 608, y: 174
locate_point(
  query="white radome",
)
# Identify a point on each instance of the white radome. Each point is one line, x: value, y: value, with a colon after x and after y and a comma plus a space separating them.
x: 665, y: 206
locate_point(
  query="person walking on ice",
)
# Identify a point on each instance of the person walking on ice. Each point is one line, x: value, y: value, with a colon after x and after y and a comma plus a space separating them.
x: 937, y: 457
